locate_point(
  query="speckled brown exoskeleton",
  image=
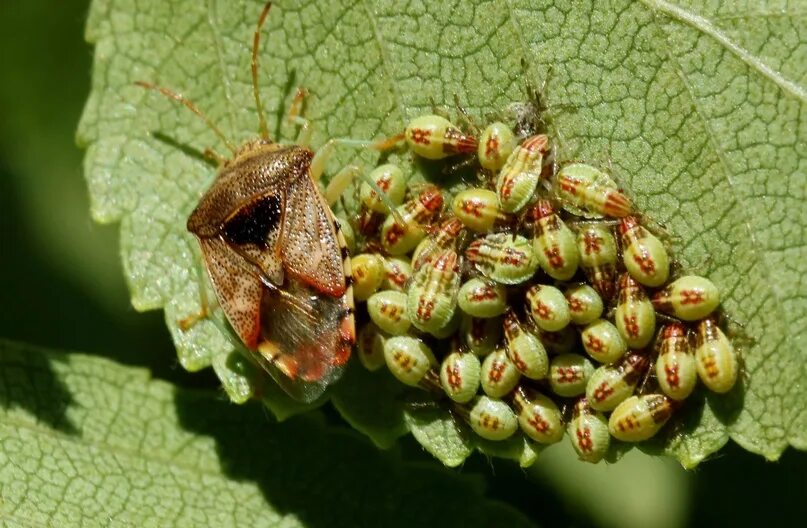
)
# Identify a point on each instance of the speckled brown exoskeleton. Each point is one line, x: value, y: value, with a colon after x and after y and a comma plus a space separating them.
x: 274, y: 251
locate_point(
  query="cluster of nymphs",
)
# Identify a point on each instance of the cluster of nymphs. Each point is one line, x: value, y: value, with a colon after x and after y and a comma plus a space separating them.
x: 536, y: 301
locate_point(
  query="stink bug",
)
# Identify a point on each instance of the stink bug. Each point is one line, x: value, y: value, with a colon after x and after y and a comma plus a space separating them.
x: 524, y: 348
x: 433, y: 137
x: 588, y: 432
x: 568, y: 374
x: 519, y: 177
x: 274, y: 252
x: 492, y: 419
x: 499, y: 374
x: 481, y: 298
x: 479, y: 210
x: 554, y: 243
x: 717, y: 362
x: 495, y: 146
x: 602, y: 341
x: 432, y: 296
x: 548, y: 307
x: 689, y: 298
x: 675, y: 367
x: 639, y: 418
x: 410, y: 360
x: 460, y: 374
x: 538, y: 416
x: 644, y: 256
x: 504, y: 258
x: 598, y: 258
x: 402, y: 230
x: 610, y: 385
x: 635, y: 317
x: 587, y: 191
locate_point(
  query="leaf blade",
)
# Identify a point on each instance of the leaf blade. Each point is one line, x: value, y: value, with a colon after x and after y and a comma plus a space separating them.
x: 86, y: 441
x: 675, y: 99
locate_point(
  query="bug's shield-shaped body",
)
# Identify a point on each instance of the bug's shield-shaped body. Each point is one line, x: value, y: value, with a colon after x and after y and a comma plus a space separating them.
x: 279, y: 266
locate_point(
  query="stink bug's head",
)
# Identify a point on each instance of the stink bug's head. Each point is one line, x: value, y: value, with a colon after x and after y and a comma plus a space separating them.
x: 254, y: 181
x: 673, y: 329
x: 627, y: 223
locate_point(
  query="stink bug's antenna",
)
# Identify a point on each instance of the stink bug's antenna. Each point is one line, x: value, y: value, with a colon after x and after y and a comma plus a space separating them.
x: 176, y: 97
x: 256, y: 40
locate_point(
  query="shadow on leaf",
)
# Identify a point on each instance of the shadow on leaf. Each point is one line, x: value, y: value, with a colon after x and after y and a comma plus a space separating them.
x: 329, y: 476
x: 28, y: 381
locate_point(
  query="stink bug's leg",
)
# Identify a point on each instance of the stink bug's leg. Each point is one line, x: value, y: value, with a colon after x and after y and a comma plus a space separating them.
x: 431, y: 382
x: 296, y: 108
x: 306, y: 130
x: 296, y: 116
x: 461, y: 165
x: 324, y: 153
x: 388, y: 143
x: 190, y: 106
x: 667, y: 319
x: 336, y: 188
x: 256, y: 41
x: 211, y: 154
x: 466, y: 118
x: 339, y: 183
x: 186, y: 323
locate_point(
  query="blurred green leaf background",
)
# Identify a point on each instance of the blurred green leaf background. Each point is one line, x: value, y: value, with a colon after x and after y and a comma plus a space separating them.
x: 62, y: 288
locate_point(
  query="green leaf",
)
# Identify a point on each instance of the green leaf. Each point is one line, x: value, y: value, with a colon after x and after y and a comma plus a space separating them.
x: 85, y: 441
x: 696, y: 108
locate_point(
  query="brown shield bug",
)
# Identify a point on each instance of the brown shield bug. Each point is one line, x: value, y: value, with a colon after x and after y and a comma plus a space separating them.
x: 274, y: 252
